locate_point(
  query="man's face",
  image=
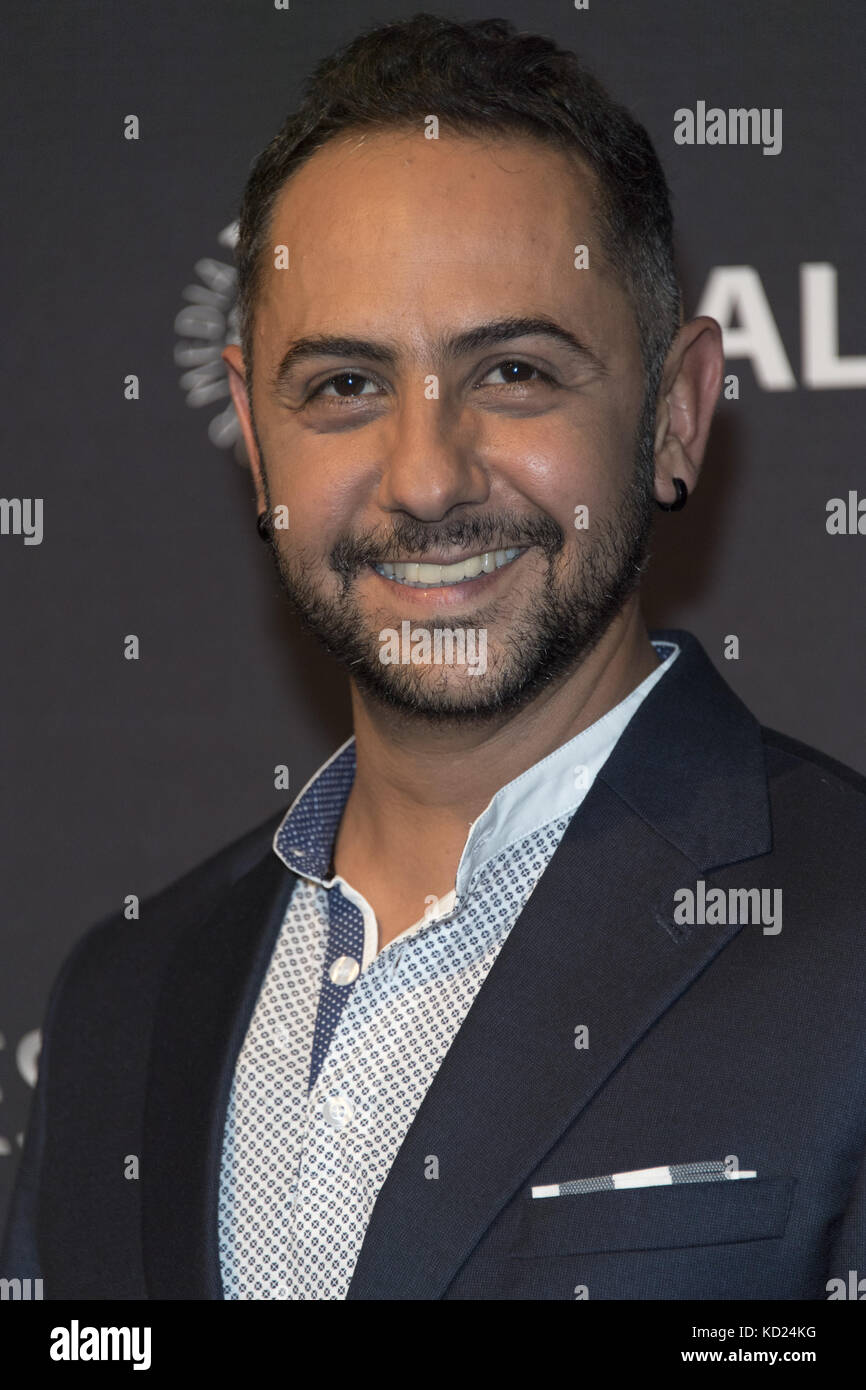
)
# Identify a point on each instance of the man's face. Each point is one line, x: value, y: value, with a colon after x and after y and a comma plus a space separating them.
x: 436, y: 454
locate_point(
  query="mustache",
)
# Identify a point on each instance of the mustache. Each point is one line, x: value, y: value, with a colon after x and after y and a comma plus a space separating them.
x: 410, y: 537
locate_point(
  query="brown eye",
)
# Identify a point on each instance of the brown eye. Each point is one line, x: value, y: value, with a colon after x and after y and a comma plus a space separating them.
x: 517, y: 373
x: 510, y: 370
x: 353, y: 382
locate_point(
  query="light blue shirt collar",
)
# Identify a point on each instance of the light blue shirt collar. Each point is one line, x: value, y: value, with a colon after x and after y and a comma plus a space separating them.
x: 556, y: 785
x: 552, y: 788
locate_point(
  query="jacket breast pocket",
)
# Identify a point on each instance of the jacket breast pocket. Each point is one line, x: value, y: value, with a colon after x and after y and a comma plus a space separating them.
x: 653, y: 1218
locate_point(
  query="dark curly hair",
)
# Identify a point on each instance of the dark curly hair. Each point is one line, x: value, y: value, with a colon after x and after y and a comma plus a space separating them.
x: 483, y: 77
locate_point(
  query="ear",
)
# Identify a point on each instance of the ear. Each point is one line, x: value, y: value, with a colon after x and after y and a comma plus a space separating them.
x: 690, y: 386
x: 240, y: 395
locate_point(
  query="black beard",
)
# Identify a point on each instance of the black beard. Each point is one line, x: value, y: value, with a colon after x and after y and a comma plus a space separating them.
x: 570, y: 618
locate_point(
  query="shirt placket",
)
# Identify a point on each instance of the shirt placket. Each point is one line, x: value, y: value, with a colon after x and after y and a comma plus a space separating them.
x: 326, y: 1173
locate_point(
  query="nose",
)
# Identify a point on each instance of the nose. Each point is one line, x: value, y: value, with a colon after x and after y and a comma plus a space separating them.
x: 431, y: 460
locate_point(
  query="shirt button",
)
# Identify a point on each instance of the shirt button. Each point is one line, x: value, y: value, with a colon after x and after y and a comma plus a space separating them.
x: 344, y: 970
x: 338, y: 1112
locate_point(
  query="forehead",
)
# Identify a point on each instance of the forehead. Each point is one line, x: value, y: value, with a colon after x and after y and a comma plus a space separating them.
x: 416, y: 236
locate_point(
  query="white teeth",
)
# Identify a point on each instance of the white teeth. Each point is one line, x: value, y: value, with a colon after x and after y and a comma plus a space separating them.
x: 435, y: 576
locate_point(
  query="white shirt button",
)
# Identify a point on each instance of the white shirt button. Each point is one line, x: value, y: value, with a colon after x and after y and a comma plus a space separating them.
x: 344, y: 970
x: 338, y: 1112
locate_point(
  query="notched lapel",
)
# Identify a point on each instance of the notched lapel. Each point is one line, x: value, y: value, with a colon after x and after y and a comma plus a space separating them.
x: 586, y: 953
x: 209, y: 993
x: 592, y: 949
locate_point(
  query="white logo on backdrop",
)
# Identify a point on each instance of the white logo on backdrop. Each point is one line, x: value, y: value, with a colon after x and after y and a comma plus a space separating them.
x: 27, y: 1060
x: 735, y: 296
x: 206, y: 324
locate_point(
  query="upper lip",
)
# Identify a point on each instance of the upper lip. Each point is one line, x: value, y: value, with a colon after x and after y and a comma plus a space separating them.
x: 445, y: 559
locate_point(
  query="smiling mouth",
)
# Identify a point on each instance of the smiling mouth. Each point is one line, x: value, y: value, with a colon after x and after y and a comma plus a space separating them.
x: 418, y: 576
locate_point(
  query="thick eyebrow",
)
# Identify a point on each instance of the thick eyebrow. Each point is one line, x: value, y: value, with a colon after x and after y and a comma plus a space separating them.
x: 448, y: 349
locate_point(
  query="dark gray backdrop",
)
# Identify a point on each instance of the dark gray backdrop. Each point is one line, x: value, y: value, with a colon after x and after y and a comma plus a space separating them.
x: 119, y: 775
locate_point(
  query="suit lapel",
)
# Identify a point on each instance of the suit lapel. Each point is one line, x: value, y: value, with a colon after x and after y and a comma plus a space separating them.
x: 211, y: 988
x: 683, y: 792
x: 594, y: 946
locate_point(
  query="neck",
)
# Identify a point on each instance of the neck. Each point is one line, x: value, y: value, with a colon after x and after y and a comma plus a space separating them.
x: 416, y: 784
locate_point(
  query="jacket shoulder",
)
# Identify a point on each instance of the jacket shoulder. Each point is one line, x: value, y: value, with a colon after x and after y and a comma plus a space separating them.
x: 115, y: 941
x: 818, y: 810
x: 789, y: 755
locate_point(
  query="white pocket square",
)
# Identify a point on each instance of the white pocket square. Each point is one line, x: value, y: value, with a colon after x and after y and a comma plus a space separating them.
x: 709, y: 1170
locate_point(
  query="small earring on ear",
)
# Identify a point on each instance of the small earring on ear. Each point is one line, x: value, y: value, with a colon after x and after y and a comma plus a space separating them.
x: 263, y: 526
x: 681, y: 498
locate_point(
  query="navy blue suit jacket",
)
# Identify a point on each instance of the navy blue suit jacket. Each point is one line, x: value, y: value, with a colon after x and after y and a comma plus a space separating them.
x: 705, y: 1040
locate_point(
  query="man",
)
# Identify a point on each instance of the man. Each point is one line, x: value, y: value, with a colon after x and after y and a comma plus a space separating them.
x: 542, y: 987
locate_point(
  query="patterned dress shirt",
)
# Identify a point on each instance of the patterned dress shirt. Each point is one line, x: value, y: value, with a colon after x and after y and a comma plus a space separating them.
x: 345, y: 1039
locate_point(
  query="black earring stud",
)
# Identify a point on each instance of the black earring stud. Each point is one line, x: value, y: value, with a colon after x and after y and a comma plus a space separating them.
x: 263, y: 526
x: 681, y: 498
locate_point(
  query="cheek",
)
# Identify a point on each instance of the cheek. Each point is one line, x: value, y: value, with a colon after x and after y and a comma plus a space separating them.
x: 322, y: 496
x: 558, y: 464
